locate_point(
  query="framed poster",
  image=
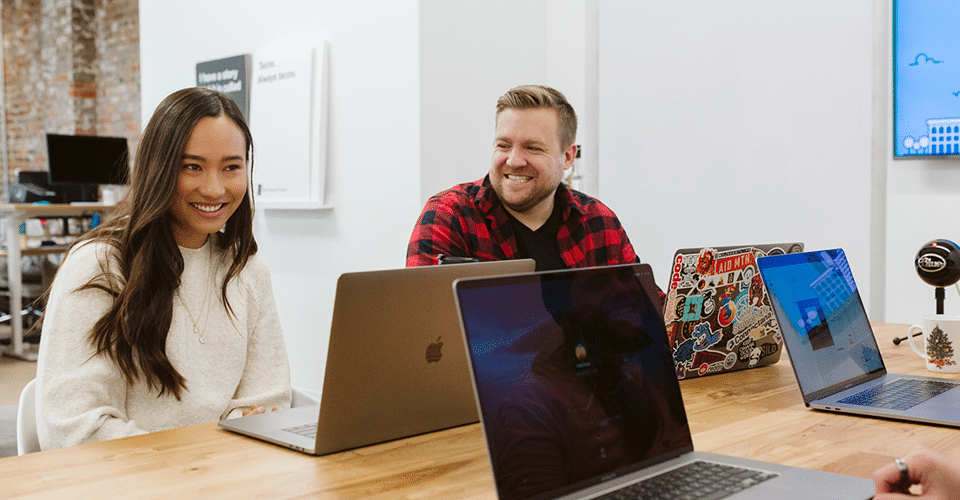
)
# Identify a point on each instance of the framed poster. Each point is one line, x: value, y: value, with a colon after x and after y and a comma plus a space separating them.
x: 288, y: 119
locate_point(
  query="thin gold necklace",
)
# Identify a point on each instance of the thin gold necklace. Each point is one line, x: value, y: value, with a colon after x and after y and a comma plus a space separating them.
x: 206, y: 296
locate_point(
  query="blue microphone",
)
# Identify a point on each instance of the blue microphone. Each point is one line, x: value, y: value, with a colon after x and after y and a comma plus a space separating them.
x: 938, y: 264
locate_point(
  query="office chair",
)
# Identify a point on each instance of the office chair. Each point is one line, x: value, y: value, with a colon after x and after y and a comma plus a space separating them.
x: 28, y: 442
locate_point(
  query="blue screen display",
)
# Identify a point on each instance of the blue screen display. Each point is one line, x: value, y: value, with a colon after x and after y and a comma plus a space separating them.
x: 926, y: 78
x: 822, y: 318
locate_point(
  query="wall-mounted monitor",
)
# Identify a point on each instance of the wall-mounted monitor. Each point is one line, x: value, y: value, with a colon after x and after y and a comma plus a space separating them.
x: 926, y: 78
x: 87, y: 159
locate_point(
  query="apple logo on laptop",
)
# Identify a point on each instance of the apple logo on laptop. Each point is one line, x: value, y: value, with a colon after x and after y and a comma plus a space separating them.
x: 433, y: 351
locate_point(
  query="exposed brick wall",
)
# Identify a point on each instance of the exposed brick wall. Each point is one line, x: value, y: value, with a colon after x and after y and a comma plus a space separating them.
x: 118, y: 102
x: 70, y: 67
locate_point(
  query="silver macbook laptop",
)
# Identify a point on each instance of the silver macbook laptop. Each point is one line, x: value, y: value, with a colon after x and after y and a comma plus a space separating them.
x: 832, y: 348
x: 396, y: 365
x: 717, y: 311
x: 578, y: 396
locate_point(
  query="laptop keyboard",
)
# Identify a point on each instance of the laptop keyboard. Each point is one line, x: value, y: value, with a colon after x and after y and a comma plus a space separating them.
x: 901, y: 394
x: 308, y: 430
x: 695, y: 481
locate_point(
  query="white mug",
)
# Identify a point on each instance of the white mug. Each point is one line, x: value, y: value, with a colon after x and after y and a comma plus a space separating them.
x: 940, y: 333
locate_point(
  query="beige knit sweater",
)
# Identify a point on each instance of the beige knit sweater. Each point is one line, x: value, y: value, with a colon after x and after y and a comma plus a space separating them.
x: 231, y: 364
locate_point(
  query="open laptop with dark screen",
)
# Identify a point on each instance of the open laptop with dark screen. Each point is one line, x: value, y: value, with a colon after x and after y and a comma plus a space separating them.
x: 832, y: 348
x: 578, y: 397
x: 396, y: 365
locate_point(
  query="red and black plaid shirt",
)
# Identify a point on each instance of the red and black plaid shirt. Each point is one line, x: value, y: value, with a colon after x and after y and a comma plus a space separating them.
x: 468, y: 220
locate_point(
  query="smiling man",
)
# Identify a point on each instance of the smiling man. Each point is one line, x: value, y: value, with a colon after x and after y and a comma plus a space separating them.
x: 521, y: 209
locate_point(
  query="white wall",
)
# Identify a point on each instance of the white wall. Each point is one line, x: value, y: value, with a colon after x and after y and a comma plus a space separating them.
x: 373, y: 149
x: 789, y: 101
x: 466, y: 64
x: 743, y: 121
x: 473, y: 52
x: 923, y: 199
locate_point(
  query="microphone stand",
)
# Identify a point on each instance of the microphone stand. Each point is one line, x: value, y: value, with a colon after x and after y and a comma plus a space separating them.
x: 938, y: 294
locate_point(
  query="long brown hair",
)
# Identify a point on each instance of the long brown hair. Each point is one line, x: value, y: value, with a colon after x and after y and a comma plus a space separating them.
x: 133, y: 332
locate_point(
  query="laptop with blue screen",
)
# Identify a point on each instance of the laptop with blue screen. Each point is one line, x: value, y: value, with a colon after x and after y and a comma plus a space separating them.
x: 578, y: 397
x: 832, y: 348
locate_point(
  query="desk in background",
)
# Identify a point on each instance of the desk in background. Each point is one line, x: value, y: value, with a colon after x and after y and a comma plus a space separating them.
x: 755, y: 414
x: 14, y: 215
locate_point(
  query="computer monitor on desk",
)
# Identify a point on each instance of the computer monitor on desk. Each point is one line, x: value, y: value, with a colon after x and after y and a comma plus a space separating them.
x: 79, y: 164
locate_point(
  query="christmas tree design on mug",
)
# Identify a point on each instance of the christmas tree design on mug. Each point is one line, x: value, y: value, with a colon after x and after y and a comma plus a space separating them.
x: 939, y: 348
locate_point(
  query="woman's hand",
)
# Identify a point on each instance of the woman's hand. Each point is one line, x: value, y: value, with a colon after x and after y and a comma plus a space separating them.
x: 256, y: 410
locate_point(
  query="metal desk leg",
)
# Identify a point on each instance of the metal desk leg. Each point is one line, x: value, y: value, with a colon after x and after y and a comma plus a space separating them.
x: 14, y: 278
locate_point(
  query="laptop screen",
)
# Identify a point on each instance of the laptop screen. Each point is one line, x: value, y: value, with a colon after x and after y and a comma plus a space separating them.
x: 824, y: 324
x: 574, y: 378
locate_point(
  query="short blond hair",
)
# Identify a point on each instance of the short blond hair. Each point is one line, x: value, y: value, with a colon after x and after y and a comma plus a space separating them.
x: 541, y: 96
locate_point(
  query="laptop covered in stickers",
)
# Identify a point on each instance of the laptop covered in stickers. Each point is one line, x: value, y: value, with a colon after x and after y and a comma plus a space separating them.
x: 717, y: 312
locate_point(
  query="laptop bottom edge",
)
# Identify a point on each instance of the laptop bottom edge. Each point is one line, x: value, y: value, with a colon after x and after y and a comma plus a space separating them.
x: 790, y: 483
x: 881, y: 413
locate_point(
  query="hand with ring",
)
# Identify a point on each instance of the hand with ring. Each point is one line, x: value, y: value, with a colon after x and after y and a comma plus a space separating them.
x: 937, y: 476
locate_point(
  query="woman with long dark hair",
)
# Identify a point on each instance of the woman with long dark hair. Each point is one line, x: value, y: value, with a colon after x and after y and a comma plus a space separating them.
x: 164, y: 315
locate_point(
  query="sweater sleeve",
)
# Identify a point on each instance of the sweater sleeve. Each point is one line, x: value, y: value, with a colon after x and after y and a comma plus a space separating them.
x: 266, y: 374
x: 81, y: 396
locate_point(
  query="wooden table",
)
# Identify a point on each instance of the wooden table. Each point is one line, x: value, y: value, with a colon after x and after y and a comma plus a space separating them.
x: 14, y: 215
x: 755, y: 414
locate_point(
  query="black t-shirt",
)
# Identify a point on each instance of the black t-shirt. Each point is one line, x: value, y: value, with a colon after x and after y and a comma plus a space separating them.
x: 540, y: 245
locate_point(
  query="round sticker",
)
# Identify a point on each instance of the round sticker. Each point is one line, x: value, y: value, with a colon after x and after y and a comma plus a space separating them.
x: 730, y: 360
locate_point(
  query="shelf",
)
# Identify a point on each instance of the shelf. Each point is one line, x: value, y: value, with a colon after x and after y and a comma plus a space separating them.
x: 45, y: 250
